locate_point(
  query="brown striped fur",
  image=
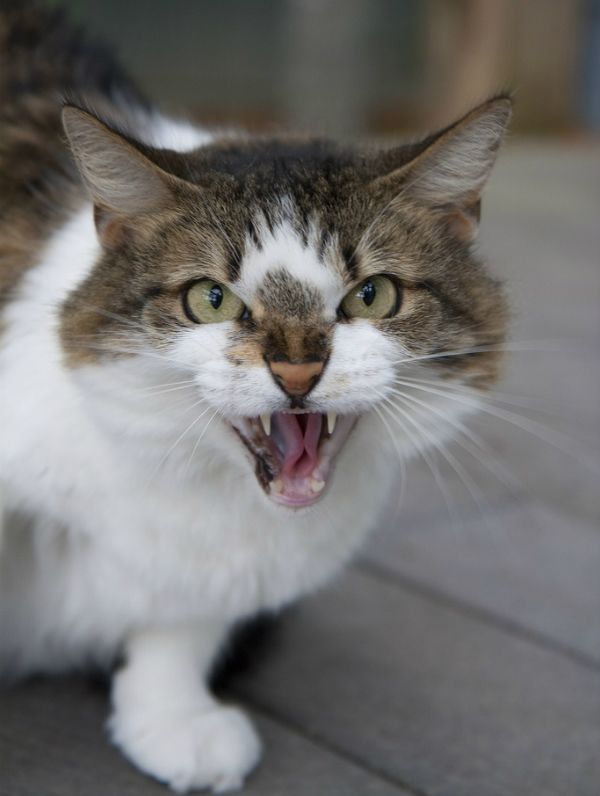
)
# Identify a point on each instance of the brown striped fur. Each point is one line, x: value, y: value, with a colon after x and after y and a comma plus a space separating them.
x: 42, y: 60
x: 368, y: 217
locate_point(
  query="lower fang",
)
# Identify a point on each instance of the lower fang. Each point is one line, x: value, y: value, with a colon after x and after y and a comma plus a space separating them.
x: 266, y: 423
x: 331, y: 421
x: 277, y: 486
x: 317, y: 486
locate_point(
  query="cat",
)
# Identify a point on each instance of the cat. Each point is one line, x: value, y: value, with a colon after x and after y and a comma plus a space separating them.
x: 202, y: 337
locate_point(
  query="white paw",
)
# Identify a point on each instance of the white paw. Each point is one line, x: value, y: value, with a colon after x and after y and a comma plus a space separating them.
x: 213, y: 749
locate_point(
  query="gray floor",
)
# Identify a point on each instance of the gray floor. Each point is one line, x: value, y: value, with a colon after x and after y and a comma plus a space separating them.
x: 460, y: 656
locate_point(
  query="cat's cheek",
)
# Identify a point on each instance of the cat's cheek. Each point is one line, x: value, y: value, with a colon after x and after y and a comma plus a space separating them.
x: 235, y: 389
x: 361, y: 368
x: 199, y: 345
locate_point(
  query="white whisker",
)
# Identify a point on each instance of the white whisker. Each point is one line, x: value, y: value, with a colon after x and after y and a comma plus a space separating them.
x: 474, y: 444
x: 178, y: 440
x: 539, y: 430
x: 471, y: 486
x: 401, y: 460
x: 162, y: 389
x: 490, y: 396
x: 424, y: 452
x: 534, y: 346
x: 200, y: 437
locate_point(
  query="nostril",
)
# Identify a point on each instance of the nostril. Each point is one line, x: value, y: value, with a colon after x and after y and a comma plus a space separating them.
x: 296, y: 378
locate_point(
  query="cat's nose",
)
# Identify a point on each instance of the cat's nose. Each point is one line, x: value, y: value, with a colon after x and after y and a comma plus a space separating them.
x: 296, y: 379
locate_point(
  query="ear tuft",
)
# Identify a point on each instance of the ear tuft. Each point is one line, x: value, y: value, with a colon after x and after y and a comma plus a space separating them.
x: 119, y: 177
x: 456, y: 166
x: 450, y: 173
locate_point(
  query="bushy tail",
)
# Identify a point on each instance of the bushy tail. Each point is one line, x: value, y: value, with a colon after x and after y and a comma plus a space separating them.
x: 43, y: 55
x: 43, y: 59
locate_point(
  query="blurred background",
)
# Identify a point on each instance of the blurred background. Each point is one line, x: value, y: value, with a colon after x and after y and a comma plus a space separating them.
x: 460, y: 654
x: 356, y: 67
x: 387, y: 69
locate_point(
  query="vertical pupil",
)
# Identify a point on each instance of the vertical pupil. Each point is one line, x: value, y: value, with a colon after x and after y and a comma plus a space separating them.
x: 368, y: 293
x: 215, y: 296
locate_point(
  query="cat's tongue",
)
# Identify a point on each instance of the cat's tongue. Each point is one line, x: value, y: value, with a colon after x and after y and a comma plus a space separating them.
x: 298, y: 437
x: 304, y: 455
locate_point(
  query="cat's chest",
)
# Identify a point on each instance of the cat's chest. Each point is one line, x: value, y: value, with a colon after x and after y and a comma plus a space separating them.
x: 188, y: 550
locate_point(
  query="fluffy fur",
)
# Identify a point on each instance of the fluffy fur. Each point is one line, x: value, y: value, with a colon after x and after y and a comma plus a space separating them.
x: 137, y: 480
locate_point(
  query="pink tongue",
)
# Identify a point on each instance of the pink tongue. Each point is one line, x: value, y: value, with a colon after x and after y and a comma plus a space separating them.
x: 299, y: 448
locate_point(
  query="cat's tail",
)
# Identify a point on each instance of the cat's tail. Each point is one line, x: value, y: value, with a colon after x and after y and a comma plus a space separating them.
x: 43, y: 55
x: 43, y: 60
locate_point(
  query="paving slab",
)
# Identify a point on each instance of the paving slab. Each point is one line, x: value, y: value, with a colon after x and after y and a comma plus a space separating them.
x: 526, y: 563
x: 436, y: 699
x: 52, y: 744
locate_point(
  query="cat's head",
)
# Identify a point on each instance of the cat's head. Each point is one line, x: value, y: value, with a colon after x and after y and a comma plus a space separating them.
x: 292, y: 286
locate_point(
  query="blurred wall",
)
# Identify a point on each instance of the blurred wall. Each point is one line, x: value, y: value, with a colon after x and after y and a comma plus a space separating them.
x: 350, y: 67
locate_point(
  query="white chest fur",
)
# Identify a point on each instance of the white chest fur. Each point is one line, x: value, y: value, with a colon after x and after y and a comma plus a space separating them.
x: 117, y: 542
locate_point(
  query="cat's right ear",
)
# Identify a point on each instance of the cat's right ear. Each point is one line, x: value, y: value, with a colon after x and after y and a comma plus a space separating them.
x: 123, y: 183
x: 450, y: 169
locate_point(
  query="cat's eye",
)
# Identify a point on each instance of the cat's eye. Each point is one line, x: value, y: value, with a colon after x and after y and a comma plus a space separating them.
x: 208, y: 301
x: 376, y: 298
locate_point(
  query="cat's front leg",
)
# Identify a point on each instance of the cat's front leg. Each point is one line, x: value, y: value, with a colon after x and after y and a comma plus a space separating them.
x: 167, y: 722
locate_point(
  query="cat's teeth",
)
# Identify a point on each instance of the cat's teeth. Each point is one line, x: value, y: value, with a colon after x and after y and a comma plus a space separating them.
x: 331, y: 421
x: 316, y: 485
x: 266, y: 423
x: 277, y: 486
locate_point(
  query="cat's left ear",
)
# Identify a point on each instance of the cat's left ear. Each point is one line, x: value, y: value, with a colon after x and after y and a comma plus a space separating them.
x: 450, y: 169
x: 124, y: 184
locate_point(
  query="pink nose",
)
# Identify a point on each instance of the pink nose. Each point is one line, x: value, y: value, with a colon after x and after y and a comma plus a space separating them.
x: 296, y: 379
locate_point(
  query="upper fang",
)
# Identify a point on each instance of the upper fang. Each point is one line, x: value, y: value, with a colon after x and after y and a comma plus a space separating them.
x: 331, y: 421
x: 266, y: 423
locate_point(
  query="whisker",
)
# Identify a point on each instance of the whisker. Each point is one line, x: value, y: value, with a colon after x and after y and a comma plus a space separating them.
x: 472, y: 487
x: 164, y: 354
x: 489, y: 395
x: 534, y: 346
x: 132, y: 351
x: 127, y: 346
x: 160, y: 389
x: 474, y: 444
x: 174, y: 406
x: 195, y: 448
x: 424, y: 452
x: 401, y: 458
x: 178, y: 440
x: 115, y: 316
x: 539, y: 430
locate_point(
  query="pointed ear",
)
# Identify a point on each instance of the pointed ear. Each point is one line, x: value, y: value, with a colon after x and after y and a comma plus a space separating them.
x: 450, y: 171
x: 123, y: 183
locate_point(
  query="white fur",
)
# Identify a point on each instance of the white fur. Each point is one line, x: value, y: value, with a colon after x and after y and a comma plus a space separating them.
x: 180, y: 735
x: 281, y: 248
x: 137, y: 522
x: 174, y: 134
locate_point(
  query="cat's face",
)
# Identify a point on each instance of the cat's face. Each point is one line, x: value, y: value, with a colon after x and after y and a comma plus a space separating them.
x: 295, y: 287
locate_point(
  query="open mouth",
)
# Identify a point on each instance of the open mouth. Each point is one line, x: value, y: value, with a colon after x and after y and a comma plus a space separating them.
x: 294, y: 452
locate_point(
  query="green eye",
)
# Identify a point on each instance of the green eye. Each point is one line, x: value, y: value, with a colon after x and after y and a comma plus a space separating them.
x: 208, y: 301
x: 375, y: 298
